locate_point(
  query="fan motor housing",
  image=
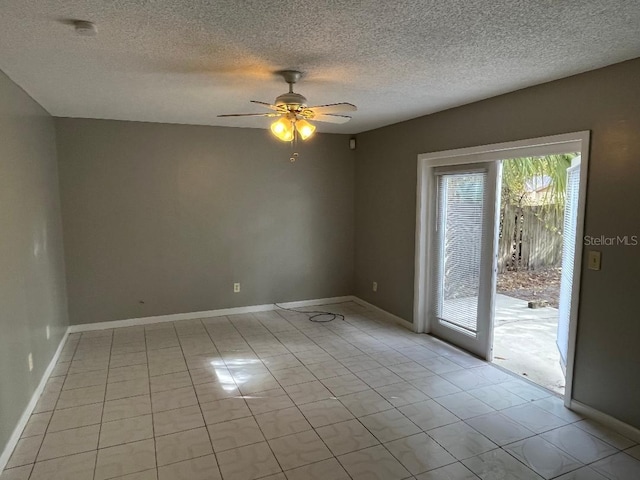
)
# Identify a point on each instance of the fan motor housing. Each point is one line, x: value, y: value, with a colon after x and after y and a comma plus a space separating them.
x: 293, y: 99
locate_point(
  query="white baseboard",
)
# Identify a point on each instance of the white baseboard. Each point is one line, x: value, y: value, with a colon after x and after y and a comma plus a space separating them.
x: 26, y: 414
x: 388, y: 316
x: 204, y: 314
x: 608, y: 421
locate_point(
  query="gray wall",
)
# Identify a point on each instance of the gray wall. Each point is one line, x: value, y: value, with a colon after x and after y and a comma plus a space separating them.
x: 173, y: 215
x: 32, y: 285
x: 605, y: 101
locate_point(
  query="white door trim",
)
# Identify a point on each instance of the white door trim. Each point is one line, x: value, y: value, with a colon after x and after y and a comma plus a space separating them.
x: 425, y: 216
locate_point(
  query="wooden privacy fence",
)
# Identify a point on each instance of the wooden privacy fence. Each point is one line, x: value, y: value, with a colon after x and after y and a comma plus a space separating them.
x: 530, y: 238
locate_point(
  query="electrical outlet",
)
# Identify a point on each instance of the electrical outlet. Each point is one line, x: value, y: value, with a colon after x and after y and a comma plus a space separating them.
x: 375, y: 286
x: 236, y: 288
x: 594, y: 260
x: 30, y: 360
x: 48, y: 332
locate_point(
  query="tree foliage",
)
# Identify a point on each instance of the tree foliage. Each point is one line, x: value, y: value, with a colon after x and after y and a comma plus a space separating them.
x: 517, y: 171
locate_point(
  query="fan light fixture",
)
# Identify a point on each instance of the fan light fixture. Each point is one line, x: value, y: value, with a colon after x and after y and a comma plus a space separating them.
x: 283, y: 129
x: 305, y: 129
x: 293, y: 113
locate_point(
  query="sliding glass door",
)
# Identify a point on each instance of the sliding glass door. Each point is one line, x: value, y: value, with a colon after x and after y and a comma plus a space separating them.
x: 464, y: 253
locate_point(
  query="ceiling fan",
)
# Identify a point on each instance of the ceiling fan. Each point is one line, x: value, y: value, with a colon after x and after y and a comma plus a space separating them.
x: 293, y: 114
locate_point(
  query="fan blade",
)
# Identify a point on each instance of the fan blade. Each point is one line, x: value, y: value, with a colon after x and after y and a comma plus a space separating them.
x: 328, y: 118
x: 268, y: 105
x: 250, y: 115
x: 333, y: 108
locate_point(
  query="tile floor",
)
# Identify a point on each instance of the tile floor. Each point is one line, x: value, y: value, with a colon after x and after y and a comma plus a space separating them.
x: 274, y: 396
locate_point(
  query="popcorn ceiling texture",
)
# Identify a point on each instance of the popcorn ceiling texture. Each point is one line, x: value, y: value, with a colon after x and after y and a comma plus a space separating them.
x: 188, y: 61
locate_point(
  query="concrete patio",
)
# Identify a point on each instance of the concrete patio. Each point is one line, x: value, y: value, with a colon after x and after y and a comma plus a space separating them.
x: 525, y: 342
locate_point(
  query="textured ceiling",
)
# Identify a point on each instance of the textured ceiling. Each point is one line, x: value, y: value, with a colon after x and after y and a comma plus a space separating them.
x: 188, y: 61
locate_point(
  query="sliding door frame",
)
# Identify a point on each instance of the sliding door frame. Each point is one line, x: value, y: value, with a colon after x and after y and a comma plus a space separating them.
x: 426, y: 215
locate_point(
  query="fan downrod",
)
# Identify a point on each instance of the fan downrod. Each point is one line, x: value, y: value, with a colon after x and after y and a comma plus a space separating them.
x: 291, y: 76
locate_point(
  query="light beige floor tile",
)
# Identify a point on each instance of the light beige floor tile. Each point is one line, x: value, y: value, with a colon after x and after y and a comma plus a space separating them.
x: 151, y: 474
x: 410, y: 371
x: 401, y: 394
x: 69, y: 442
x: 171, y: 399
x: 171, y: 381
x: 163, y: 367
x: 428, y: 414
x: 463, y: 405
x: 497, y: 397
x: 299, y: 449
x: 373, y: 463
x: 180, y: 419
x: 293, y: 376
x: 268, y: 401
x: 487, y: 464
x: 126, y: 408
x: 379, y: 377
x: 127, y: 373
x: 389, y: 425
x: 604, y: 434
x: 326, y: 370
x: 419, y: 453
x: 345, y: 384
x: 535, y: 419
x: 224, y: 410
x: 181, y: 446
x: 76, y: 417
x: 455, y: 471
x: 88, y: 365
x: 210, y: 392
x: 126, y: 359
x: 201, y: 468
x: 37, y: 424
x: 282, y: 422
x: 207, y: 375
x: 60, y: 369
x: 234, y: 434
x: 125, y: 431
x: 25, y: 452
x: 47, y: 401
x: 584, y: 473
x: 18, y: 473
x: 257, y: 383
x: 124, y: 459
x: 88, y: 379
x: 128, y: 348
x: 633, y: 451
x: 325, y: 412
x: 74, y: 467
x: 365, y: 403
x: 543, y: 457
x: 319, y: 471
x: 346, y: 437
x: 128, y: 388
x: 248, y: 463
x: 579, y: 444
x: 308, y: 392
x: 81, y: 396
x: 435, y: 386
x: 281, y: 362
x: 462, y: 441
